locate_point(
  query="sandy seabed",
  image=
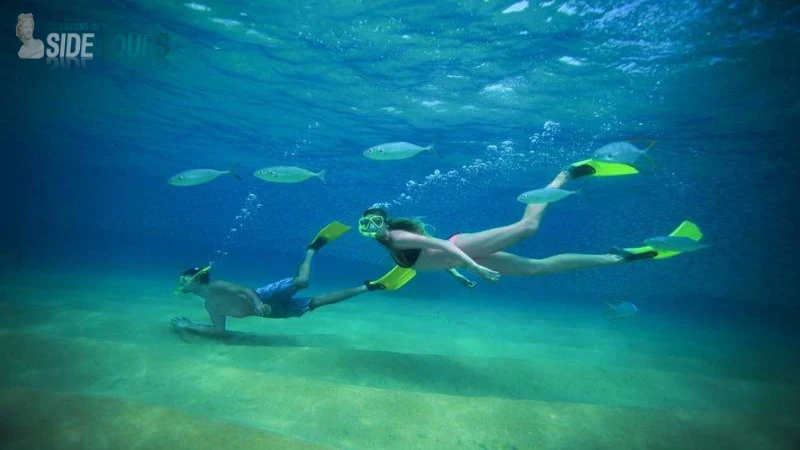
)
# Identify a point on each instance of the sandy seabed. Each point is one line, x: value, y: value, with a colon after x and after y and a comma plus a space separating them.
x: 97, y: 367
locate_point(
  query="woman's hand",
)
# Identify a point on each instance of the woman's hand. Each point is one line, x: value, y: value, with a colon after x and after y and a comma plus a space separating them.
x: 487, y: 273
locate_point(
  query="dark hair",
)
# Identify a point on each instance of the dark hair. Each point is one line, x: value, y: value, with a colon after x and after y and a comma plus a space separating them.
x: 398, y: 223
x: 205, y: 278
x: 376, y: 212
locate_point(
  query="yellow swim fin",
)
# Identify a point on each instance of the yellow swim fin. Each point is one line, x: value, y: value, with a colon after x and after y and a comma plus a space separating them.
x: 597, y: 168
x: 686, y: 229
x: 393, y: 280
x: 331, y: 232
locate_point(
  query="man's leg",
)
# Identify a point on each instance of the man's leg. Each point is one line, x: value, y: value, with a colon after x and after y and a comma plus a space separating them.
x: 301, y: 280
x: 336, y: 297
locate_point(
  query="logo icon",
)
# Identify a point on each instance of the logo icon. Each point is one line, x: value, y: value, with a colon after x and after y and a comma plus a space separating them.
x: 31, y: 48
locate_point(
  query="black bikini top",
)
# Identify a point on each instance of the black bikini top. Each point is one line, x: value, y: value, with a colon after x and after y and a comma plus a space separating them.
x: 403, y: 258
x: 406, y: 258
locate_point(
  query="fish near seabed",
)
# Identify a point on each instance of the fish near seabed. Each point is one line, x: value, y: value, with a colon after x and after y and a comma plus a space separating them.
x: 287, y: 174
x: 617, y: 309
x: 544, y: 195
x: 195, y: 177
x: 392, y: 151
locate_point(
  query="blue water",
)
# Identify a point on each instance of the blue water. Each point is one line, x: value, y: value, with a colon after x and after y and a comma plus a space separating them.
x: 512, y: 97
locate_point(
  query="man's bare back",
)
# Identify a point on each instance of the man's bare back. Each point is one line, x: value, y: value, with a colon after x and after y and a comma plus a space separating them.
x: 222, y: 299
x: 228, y: 299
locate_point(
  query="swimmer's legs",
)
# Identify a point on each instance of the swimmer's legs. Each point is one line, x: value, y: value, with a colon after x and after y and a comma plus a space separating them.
x: 510, y: 264
x: 303, y: 277
x: 336, y: 297
x: 487, y: 242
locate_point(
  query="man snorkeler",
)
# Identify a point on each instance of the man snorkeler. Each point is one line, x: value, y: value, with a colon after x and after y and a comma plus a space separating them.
x: 276, y: 300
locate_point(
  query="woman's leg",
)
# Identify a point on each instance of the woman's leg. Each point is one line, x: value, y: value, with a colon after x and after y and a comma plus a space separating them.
x: 510, y: 264
x: 491, y: 241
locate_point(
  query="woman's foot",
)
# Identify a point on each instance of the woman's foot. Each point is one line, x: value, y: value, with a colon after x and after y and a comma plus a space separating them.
x: 627, y: 256
x: 318, y: 243
x: 583, y: 170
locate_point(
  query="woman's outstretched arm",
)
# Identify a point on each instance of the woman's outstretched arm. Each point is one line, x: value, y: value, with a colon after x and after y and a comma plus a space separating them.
x: 461, y: 278
x: 405, y: 240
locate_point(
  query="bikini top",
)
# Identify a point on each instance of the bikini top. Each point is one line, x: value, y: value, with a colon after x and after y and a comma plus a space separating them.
x: 403, y: 258
x: 406, y: 258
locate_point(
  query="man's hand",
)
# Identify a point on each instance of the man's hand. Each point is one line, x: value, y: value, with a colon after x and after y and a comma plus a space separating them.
x: 469, y: 283
x: 262, y: 309
x: 181, y: 323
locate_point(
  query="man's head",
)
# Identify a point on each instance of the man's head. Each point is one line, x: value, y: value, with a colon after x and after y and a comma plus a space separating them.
x: 192, y: 278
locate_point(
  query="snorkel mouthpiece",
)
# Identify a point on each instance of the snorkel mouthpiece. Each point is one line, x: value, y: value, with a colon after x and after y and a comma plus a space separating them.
x: 369, y: 234
x: 369, y: 226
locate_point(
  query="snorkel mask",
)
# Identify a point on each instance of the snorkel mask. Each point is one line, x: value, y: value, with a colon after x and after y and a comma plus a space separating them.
x: 189, y: 279
x: 369, y: 225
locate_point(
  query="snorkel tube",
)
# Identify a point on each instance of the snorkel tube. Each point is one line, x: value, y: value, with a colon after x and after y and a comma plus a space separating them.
x: 184, y: 280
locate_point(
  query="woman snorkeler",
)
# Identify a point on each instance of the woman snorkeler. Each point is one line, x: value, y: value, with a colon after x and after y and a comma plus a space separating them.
x: 482, y: 252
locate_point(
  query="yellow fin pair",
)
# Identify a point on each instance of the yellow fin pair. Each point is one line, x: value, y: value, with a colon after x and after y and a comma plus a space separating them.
x: 392, y: 280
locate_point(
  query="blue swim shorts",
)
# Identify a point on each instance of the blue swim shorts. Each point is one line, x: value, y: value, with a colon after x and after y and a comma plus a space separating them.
x: 280, y: 297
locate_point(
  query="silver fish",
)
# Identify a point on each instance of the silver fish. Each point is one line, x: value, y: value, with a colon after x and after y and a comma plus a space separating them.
x: 674, y: 244
x: 287, y: 174
x: 200, y: 176
x: 622, y: 152
x: 516, y: 7
x: 397, y: 150
x: 544, y: 195
x: 618, y: 309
